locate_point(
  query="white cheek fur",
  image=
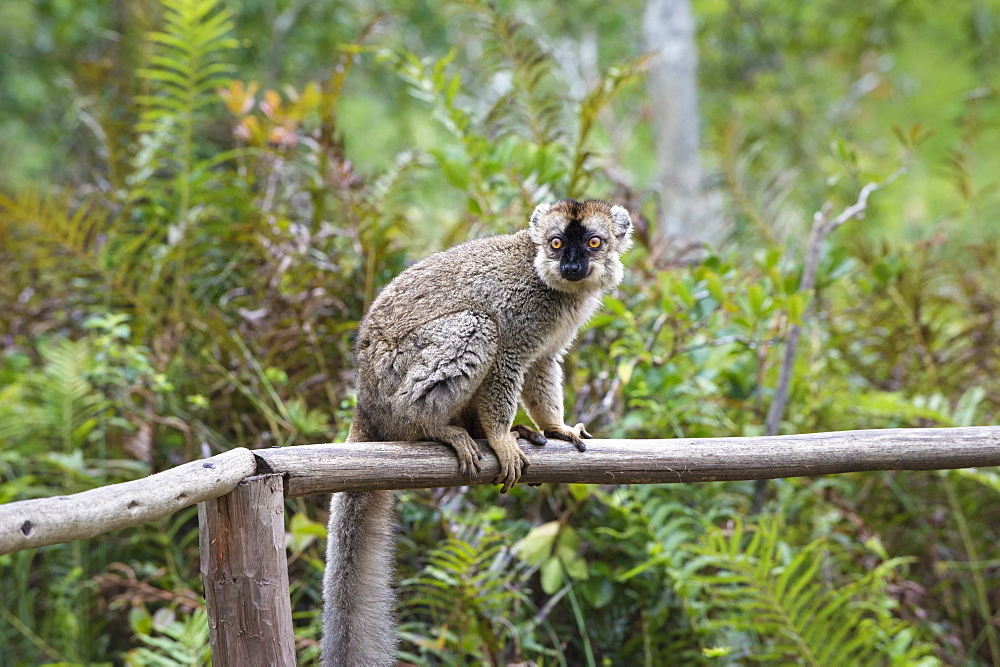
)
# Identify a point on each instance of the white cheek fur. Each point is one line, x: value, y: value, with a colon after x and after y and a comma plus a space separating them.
x: 605, y: 274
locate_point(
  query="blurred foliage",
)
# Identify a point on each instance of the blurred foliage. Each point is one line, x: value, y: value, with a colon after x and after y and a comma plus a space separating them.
x: 781, y: 596
x: 200, y: 198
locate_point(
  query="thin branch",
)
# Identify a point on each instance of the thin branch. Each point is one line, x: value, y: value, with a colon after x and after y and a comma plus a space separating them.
x: 821, y: 228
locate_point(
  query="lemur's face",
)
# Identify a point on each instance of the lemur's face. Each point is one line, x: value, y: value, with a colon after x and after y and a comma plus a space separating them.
x: 580, y: 244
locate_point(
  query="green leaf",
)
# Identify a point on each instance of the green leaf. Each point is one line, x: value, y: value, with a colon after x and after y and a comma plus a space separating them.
x: 456, y: 173
x: 642, y: 567
x: 682, y: 290
x: 796, y: 306
x: 575, y: 566
x: 569, y: 538
x: 301, y: 526
x: 598, y: 591
x: 453, y: 87
x: 624, y: 369
x: 968, y: 405
x: 537, y: 545
x: 552, y: 576
x: 617, y: 306
x: 756, y: 296
x: 140, y: 620
x: 713, y: 283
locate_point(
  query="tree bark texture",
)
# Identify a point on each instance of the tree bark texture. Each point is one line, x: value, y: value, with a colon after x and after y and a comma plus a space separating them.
x: 245, y: 572
x: 42, y: 521
x: 396, y: 465
x: 331, y: 468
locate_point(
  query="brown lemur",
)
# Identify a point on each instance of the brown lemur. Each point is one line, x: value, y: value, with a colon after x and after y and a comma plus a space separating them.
x: 444, y: 353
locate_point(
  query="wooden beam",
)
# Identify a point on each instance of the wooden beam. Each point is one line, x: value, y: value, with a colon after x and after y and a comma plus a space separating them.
x: 42, y: 521
x: 406, y: 465
x: 409, y: 465
x: 245, y: 572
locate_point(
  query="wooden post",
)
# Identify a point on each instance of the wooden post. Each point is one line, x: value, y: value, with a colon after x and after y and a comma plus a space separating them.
x: 245, y: 572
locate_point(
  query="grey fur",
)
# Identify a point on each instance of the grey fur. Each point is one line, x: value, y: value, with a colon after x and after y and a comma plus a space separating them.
x: 445, y: 353
x: 359, y: 551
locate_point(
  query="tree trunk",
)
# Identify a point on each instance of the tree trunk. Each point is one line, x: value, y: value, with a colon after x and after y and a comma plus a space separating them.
x: 685, y: 215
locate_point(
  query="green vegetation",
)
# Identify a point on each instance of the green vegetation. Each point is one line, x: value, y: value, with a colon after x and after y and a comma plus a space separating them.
x: 199, y: 199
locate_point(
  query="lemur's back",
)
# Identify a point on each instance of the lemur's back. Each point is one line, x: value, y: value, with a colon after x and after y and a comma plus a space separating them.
x: 482, y: 274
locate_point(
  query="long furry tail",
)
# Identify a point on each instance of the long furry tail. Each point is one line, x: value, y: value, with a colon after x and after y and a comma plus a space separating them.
x: 359, y: 628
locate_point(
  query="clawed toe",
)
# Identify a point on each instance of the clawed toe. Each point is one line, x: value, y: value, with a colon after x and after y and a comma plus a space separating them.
x: 468, y: 466
x: 513, y: 463
x: 574, y: 435
x: 469, y: 457
x: 531, y: 435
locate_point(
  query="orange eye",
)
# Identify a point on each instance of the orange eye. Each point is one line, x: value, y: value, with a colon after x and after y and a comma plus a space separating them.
x: 556, y: 243
x: 595, y: 242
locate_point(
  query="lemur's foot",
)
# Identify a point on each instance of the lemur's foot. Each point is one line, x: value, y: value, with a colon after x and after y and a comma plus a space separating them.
x: 470, y: 460
x: 575, y: 434
x: 531, y: 435
x: 512, y: 461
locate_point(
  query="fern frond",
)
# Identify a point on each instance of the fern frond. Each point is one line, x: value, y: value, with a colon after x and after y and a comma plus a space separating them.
x: 591, y: 106
x: 465, y: 586
x: 535, y: 105
x: 761, y: 186
x: 20, y: 418
x: 57, y: 404
x: 188, y: 64
x: 79, y: 229
x: 86, y: 231
x: 393, y: 179
x: 761, y: 587
x: 64, y: 389
x: 189, y: 60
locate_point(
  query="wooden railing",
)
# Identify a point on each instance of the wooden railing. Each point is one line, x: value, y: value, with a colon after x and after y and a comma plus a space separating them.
x: 241, y: 495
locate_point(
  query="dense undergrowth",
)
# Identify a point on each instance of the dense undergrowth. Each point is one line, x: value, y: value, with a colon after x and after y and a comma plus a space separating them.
x: 194, y: 283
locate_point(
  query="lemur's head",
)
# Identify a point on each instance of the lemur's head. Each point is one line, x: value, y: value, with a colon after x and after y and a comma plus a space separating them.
x: 580, y: 244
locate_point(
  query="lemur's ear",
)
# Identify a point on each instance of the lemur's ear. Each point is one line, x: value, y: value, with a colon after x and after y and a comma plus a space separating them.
x: 623, y: 223
x: 539, y: 212
x: 534, y: 227
x: 622, y: 226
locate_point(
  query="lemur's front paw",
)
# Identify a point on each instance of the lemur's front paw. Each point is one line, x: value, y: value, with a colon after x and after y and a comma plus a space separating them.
x: 512, y: 462
x: 469, y: 458
x: 575, y: 434
x: 529, y: 434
